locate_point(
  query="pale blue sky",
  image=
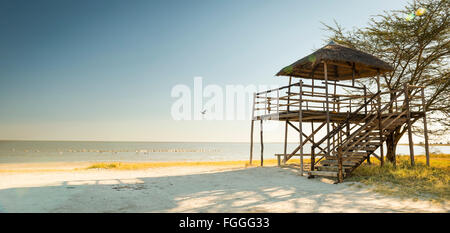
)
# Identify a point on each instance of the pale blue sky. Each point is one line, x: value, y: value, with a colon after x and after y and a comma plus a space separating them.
x: 103, y: 70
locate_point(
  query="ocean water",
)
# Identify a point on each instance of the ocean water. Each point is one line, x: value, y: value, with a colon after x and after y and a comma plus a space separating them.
x: 71, y: 151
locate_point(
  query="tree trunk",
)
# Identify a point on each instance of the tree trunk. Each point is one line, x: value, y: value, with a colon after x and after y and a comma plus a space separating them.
x: 391, y: 143
x: 391, y: 147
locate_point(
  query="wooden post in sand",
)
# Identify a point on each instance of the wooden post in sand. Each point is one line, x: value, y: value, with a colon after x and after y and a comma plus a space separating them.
x: 262, y: 143
x: 408, y: 121
x: 286, y: 123
x: 425, y: 130
x: 300, y: 129
x: 327, y: 106
x: 251, y: 129
x: 380, y: 120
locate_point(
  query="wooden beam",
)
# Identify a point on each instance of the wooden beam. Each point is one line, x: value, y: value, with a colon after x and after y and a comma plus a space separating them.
x: 251, y: 129
x: 380, y: 125
x: 425, y: 129
x: 340, y: 167
x: 262, y: 143
x: 300, y: 128
x: 286, y: 125
x: 327, y: 105
x: 298, y: 147
x: 251, y: 141
x: 408, y: 121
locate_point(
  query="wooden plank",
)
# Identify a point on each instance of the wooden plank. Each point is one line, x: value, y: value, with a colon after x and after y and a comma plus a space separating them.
x: 262, y: 143
x: 251, y: 142
x: 340, y: 168
x: 251, y: 130
x: 327, y: 105
x: 335, y: 162
x: 323, y: 173
x: 300, y: 123
x: 425, y: 129
x: 408, y: 122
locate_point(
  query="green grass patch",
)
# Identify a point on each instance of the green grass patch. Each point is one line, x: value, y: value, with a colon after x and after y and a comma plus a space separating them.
x: 420, y: 181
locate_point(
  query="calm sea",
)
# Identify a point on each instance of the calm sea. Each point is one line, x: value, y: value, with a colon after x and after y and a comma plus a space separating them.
x: 69, y: 151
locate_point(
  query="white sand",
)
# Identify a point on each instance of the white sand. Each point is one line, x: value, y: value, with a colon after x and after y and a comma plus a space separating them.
x: 192, y: 189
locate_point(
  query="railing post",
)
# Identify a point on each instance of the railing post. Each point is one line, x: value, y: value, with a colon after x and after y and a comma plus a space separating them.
x: 278, y: 102
x: 365, y: 99
x: 312, y: 159
x: 327, y: 105
x: 380, y: 126
x: 425, y: 130
x: 408, y: 121
x: 266, y: 105
x: 251, y: 129
x: 286, y: 123
x: 340, y: 167
x: 262, y: 143
x: 300, y: 123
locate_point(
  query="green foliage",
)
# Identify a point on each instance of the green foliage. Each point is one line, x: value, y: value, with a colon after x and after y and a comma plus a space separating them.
x: 417, y: 48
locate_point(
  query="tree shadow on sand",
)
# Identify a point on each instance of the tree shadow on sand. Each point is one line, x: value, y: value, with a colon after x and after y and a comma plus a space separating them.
x: 268, y: 189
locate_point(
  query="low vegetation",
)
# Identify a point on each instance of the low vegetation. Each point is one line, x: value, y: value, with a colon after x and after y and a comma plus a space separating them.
x: 147, y: 165
x: 419, y: 181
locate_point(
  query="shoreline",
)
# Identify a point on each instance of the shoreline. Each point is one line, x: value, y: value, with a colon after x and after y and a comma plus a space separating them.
x: 129, y: 165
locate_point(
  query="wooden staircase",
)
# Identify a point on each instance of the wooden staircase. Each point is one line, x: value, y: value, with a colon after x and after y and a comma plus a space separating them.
x: 356, y: 139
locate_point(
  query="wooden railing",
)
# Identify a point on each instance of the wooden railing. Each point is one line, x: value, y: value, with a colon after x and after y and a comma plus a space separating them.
x: 313, y: 98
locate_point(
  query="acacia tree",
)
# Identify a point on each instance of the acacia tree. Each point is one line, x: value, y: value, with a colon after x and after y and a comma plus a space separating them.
x: 418, y: 47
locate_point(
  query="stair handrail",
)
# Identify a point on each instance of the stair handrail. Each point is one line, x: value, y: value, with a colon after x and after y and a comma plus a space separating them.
x: 338, y: 129
x: 346, y: 121
x: 345, y: 142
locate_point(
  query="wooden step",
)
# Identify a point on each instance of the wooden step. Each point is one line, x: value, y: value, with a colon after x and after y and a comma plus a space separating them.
x: 323, y: 173
x: 368, y: 143
x: 334, y: 162
x: 352, y: 153
x: 367, y: 138
x: 373, y: 133
x: 349, y: 158
x: 332, y: 168
x: 364, y: 148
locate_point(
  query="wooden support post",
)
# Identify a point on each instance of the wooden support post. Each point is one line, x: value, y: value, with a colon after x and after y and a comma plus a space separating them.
x: 380, y: 126
x: 251, y: 142
x: 286, y: 124
x: 408, y: 121
x: 262, y: 144
x: 300, y: 121
x: 327, y: 105
x: 353, y: 74
x: 251, y: 129
x: 365, y: 99
x: 313, y: 158
x: 334, y: 97
x: 425, y: 129
x: 340, y: 167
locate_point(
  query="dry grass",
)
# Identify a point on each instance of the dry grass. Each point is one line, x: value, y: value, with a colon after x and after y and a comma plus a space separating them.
x: 406, y: 181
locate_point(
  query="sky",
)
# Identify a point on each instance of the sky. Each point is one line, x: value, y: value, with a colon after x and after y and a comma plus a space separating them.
x: 104, y: 69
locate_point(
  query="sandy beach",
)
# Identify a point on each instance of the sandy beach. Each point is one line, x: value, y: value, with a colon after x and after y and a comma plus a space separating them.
x: 190, y: 189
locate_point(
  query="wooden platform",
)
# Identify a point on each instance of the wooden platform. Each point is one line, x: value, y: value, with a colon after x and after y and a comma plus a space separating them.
x: 320, y: 116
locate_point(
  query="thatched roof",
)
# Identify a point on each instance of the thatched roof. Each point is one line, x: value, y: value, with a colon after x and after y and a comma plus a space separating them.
x: 340, y: 62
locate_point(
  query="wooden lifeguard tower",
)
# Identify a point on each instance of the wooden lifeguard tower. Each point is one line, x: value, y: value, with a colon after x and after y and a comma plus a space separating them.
x: 348, y: 122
